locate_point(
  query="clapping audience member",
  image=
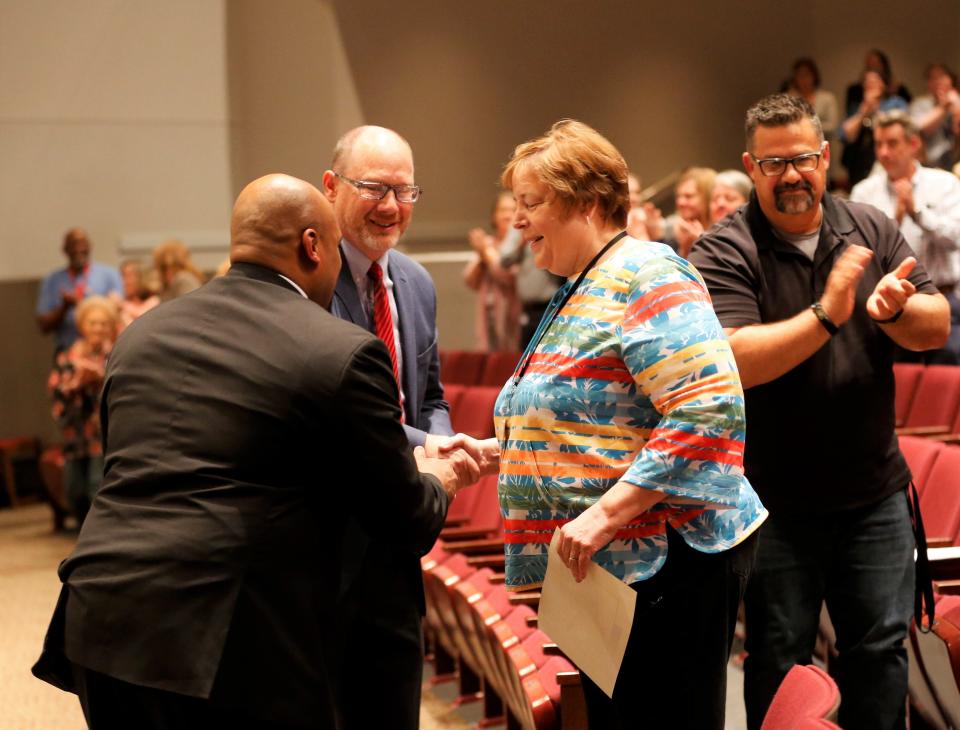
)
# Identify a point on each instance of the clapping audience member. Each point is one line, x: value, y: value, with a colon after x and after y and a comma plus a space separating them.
x: 75, y: 384
x: 937, y: 115
x: 875, y: 60
x: 856, y: 132
x: 137, y: 298
x: 805, y: 82
x: 62, y: 290
x: 731, y: 189
x: 497, y: 308
x: 641, y: 217
x: 693, y: 209
x: 178, y: 275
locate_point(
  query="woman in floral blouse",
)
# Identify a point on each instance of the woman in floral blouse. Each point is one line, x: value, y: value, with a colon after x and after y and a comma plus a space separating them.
x: 623, y: 427
x: 75, y: 384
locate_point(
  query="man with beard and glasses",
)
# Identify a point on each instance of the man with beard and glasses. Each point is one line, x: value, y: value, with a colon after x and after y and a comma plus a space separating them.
x: 814, y: 293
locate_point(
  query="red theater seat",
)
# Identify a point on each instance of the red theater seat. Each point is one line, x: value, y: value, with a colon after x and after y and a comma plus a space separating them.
x: 806, y: 693
x: 462, y: 366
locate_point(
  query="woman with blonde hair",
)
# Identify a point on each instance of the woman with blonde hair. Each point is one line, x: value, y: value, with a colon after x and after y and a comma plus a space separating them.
x: 623, y: 427
x: 74, y: 385
x: 692, y: 196
x: 178, y: 275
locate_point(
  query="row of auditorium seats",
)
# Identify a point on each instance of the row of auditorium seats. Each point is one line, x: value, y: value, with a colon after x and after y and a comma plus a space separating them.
x: 927, y: 399
x: 464, y: 367
x: 934, y: 654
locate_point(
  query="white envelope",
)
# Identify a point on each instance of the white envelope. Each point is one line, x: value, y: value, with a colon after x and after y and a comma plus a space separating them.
x: 589, y: 621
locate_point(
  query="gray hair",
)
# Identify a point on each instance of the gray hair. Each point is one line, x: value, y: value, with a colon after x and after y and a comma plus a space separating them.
x: 778, y: 110
x: 897, y: 116
x: 734, y: 179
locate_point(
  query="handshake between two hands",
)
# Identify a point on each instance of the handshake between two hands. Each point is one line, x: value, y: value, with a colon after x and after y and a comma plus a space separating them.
x: 458, y: 461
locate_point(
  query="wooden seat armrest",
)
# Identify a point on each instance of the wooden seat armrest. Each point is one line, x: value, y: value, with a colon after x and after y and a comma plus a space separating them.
x: 568, y: 679
x: 947, y: 438
x: 487, y: 546
x: 464, y: 533
x: 552, y: 649
x: 498, y: 579
x: 455, y: 522
x: 939, y: 542
x: 533, y: 620
x: 486, y: 561
x: 527, y: 598
x: 922, y: 430
x: 944, y: 563
x: 947, y: 587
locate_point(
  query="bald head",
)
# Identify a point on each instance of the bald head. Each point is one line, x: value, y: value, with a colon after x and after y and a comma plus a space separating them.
x: 285, y: 224
x: 76, y: 247
x: 369, y: 139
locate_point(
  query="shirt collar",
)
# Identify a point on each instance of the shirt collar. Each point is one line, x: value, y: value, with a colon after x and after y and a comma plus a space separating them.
x: 359, y: 263
x: 295, y: 285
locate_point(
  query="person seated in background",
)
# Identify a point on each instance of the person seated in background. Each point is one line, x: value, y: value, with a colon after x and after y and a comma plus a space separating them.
x: 925, y: 203
x: 644, y: 221
x: 693, y: 209
x: 805, y: 82
x: 856, y: 132
x: 178, y: 275
x: 75, y: 383
x: 63, y: 289
x: 874, y: 60
x: 937, y: 115
x: 731, y: 189
x: 137, y: 298
x: 497, y: 307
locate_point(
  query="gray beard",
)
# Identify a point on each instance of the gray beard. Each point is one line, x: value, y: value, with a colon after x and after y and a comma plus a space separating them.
x: 794, y: 204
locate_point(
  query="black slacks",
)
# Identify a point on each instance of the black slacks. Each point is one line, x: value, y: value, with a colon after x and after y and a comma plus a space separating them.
x: 674, y: 671
x: 112, y: 704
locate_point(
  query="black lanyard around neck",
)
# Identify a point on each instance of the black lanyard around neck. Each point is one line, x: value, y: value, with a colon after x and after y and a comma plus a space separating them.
x: 542, y: 329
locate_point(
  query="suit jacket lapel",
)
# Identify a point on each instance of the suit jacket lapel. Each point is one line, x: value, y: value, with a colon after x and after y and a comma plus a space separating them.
x: 406, y: 305
x: 346, y: 299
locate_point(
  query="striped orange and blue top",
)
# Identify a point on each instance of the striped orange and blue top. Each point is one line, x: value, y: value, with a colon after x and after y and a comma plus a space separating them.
x: 634, y: 380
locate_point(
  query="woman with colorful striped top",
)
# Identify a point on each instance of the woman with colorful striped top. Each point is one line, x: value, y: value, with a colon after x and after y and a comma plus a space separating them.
x: 623, y: 425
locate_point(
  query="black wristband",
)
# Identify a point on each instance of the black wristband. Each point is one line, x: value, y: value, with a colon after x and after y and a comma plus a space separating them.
x: 824, y: 318
x: 890, y: 320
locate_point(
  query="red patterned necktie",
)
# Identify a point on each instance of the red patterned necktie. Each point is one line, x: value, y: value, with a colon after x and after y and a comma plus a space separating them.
x: 383, y: 321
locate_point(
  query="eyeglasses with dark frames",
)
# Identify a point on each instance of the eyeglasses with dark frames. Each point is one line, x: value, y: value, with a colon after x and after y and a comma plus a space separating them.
x: 369, y: 190
x: 807, y: 162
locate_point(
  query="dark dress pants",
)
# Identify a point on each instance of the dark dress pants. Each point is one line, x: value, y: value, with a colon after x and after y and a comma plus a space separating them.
x: 861, y: 563
x: 674, y: 671
x: 111, y: 704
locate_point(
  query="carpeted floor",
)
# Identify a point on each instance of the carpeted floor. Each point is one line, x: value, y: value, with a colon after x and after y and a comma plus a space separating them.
x: 29, y: 554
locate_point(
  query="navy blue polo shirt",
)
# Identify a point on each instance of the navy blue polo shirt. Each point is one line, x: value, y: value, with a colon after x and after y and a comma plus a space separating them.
x: 820, y: 438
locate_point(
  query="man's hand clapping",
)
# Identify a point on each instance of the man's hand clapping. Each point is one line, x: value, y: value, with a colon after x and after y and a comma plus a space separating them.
x: 890, y: 295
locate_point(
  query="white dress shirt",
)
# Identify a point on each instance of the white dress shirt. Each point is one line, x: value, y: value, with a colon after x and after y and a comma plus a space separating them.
x: 359, y: 265
x: 933, y: 232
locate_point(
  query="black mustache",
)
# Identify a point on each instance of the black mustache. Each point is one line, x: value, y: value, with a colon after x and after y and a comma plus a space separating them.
x: 801, y: 185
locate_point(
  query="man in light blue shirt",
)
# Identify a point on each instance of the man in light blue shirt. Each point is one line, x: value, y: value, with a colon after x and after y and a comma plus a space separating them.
x: 63, y: 289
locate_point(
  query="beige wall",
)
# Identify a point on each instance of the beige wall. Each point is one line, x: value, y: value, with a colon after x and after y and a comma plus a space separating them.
x: 138, y: 117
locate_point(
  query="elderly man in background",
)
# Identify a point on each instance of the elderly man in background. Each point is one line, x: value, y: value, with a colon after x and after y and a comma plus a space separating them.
x: 62, y: 290
x: 925, y: 204
x: 202, y: 591
x: 814, y: 293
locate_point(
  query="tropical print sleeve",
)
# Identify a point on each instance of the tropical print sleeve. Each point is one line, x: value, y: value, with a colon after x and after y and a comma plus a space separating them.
x: 674, y: 348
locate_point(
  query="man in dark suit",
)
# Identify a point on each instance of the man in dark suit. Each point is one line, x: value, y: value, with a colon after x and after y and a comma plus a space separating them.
x: 242, y: 423
x: 372, y: 189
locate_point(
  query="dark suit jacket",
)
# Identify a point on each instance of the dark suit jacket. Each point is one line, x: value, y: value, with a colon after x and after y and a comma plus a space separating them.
x: 243, y: 423
x: 383, y: 582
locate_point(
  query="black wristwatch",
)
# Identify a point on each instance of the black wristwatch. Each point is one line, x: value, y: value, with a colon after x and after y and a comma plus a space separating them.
x: 824, y: 318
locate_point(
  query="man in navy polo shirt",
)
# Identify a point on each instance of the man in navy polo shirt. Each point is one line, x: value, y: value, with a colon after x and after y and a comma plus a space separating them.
x: 63, y: 289
x: 814, y: 293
